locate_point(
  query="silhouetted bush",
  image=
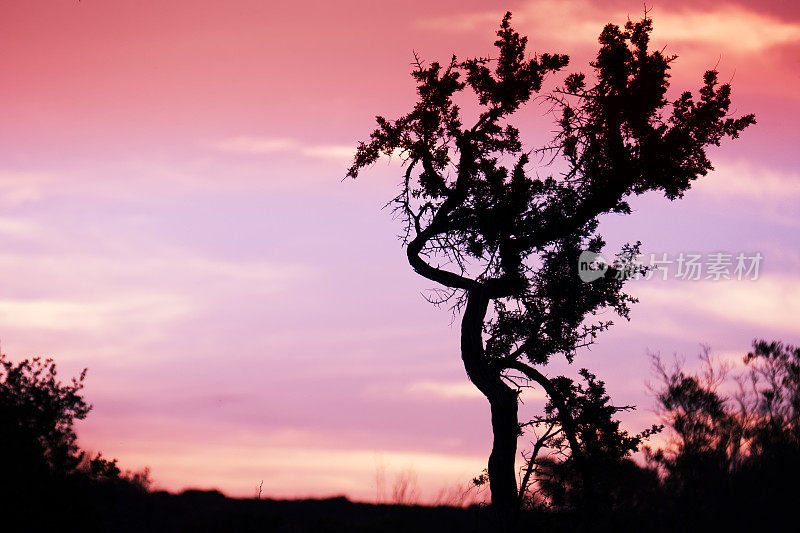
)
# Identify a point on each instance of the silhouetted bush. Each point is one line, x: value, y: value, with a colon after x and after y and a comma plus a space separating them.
x: 46, y: 481
x: 735, y: 456
x: 604, y: 479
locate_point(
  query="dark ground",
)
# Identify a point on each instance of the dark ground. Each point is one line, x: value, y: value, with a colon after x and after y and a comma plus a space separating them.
x: 123, y: 510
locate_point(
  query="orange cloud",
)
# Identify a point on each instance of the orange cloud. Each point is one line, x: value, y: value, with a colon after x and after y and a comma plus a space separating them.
x: 728, y: 28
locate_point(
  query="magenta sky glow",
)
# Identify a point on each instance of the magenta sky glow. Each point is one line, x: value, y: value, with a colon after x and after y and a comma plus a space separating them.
x: 172, y: 218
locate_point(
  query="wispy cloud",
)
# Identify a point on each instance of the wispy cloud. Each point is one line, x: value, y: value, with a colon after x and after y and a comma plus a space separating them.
x: 95, y: 273
x: 447, y: 390
x: 768, y: 304
x: 458, y: 390
x: 741, y: 179
x: 271, y: 145
x: 100, y: 295
x: 18, y: 188
x: 124, y: 180
x: 118, y: 314
x: 17, y: 227
x: 730, y: 27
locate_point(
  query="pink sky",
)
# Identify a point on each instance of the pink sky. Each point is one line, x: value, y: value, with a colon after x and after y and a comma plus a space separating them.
x: 172, y: 218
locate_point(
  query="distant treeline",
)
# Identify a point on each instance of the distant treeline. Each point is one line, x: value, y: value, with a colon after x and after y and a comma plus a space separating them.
x: 731, y: 462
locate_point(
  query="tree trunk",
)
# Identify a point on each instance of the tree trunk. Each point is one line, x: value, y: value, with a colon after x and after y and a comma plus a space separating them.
x: 502, y: 469
x: 503, y: 402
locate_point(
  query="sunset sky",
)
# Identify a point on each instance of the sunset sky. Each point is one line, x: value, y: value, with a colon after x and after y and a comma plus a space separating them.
x: 173, y: 217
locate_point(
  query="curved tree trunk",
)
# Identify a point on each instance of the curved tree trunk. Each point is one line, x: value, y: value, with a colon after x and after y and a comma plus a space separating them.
x: 503, y: 401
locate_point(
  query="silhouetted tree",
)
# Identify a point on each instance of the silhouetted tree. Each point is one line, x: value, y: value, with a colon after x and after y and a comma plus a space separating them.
x: 708, y: 435
x: 734, y: 452
x: 771, y: 395
x: 484, y: 225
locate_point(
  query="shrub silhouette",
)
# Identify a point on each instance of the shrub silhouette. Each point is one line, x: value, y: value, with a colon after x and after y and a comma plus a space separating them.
x: 38, y: 414
x: 733, y: 454
x: 605, y: 449
x: 46, y: 480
